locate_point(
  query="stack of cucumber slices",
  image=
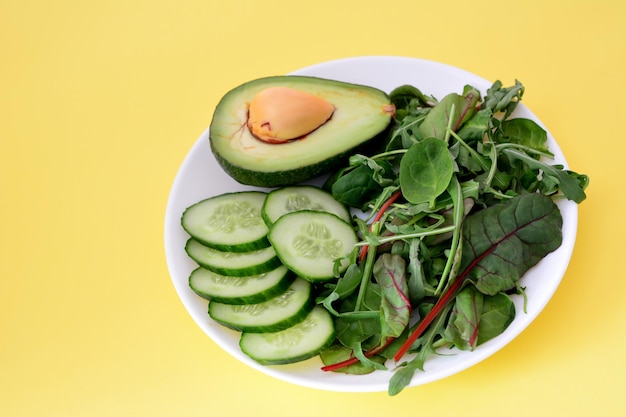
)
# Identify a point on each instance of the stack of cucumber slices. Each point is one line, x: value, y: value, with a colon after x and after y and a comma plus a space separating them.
x: 260, y: 256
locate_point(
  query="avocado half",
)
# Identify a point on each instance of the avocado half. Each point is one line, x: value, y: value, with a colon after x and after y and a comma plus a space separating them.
x: 358, y: 114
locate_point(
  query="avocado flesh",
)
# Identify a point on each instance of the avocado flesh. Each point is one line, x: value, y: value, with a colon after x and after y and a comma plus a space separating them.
x: 361, y: 114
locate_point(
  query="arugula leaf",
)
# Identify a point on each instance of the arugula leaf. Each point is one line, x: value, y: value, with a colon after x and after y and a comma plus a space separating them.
x: 571, y: 184
x: 499, y: 99
x: 425, y: 347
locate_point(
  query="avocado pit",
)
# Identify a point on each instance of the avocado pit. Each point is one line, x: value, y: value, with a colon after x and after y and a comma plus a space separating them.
x: 281, y: 114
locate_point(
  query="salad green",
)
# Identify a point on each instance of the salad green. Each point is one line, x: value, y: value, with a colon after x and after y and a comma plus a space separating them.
x: 458, y: 205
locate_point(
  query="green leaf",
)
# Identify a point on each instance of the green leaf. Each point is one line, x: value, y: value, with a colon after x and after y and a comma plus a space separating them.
x: 505, y: 100
x: 390, y: 274
x: 524, y: 132
x: 409, y: 96
x: 416, y: 281
x: 571, y: 184
x: 476, y: 127
x: 357, y: 187
x: 353, y: 327
x: 464, y: 322
x: 425, y: 171
x: 501, y: 242
x: 338, y: 353
x: 403, y: 375
x: 346, y: 285
x: 453, y: 110
x: 497, y: 313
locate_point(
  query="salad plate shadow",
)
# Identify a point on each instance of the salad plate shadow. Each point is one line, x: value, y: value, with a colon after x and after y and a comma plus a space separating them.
x: 200, y: 177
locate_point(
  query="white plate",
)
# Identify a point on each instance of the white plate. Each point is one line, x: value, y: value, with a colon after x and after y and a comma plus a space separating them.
x: 200, y: 177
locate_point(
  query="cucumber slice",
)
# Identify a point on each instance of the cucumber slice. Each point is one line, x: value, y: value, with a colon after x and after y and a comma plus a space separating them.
x: 277, y: 313
x: 300, y: 197
x: 297, y: 343
x: 229, y: 222
x: 309, y: 243
x: 236, y: 264
x: 240, y: 290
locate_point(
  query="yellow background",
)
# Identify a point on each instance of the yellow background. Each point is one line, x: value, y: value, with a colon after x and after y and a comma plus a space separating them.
x: 100, y: 101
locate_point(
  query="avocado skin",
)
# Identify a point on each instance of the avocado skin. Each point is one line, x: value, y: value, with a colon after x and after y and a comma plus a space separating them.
x: 297, y: 175
x: 244, y: 172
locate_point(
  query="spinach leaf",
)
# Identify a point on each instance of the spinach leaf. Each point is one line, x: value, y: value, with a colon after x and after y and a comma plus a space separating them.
x: 409, y: 96
x: 358, y: 186
x: 425, y: 171
x: 525, y: 132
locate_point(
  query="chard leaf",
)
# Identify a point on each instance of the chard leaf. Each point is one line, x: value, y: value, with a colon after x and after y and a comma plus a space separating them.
x: 464, y: 322
x: 453, y: 110
x: 338, y: 353
x: 477, y: 318
x: 390, y: 274
x: 501, y: 242
x: 497, y: 313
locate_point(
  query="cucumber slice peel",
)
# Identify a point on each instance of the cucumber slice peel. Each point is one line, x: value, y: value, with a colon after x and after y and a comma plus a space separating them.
x: 277, y: 313
x: 237, y: 264
x: 297, y: 343
x: 228, y: 222
x: 240, y: 290
x: 300, y: 197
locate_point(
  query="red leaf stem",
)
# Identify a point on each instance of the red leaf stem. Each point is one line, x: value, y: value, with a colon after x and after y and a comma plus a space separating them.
x: 432, y: 314
x: 353, y: 359
x: 439, y: 305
